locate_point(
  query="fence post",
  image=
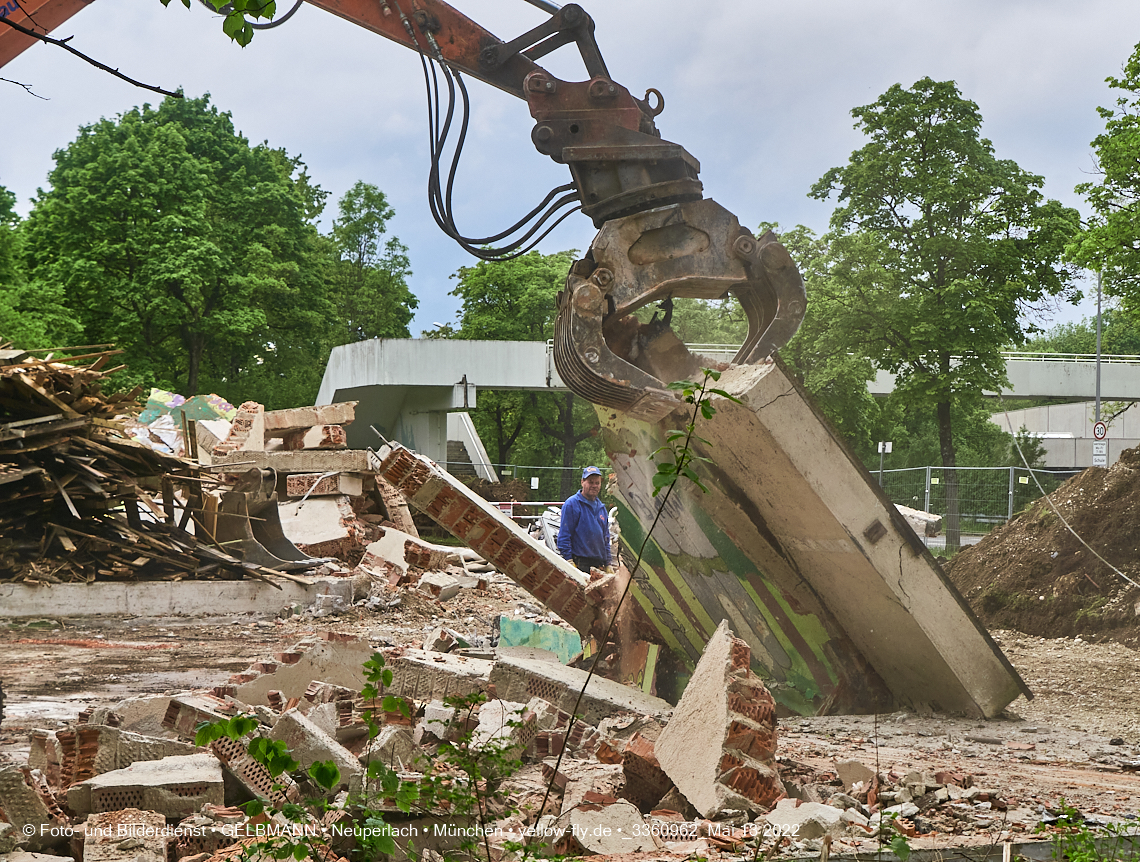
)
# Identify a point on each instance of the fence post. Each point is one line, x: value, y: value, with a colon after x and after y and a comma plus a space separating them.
x: 926, y: 508
x: 1009, y: 517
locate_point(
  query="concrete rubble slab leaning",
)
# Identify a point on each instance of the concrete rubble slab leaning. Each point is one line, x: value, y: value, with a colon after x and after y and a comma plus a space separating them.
x: 308, y: 744
x: 29, y: 807
x: 806, y: 820
x: 841, y: 603
x: 719, y: 747
x: 532, y: 565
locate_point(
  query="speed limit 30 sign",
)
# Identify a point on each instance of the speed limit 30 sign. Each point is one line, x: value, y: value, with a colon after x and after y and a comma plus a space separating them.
x: 1100, y: 430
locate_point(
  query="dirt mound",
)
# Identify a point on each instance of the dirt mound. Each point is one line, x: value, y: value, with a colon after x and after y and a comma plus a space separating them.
x: 1033, y: 575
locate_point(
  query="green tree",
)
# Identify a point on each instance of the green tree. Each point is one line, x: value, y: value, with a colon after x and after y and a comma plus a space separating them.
x: 1110, y: 242
x: 32, y: 314
x: 193, y: 250
x: 1119, y: 336
x: 369, y: 283
x: 515, y: 301
x: 937, y: 246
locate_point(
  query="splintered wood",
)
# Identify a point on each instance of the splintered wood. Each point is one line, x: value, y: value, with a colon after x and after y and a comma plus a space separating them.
x: 81, y: 501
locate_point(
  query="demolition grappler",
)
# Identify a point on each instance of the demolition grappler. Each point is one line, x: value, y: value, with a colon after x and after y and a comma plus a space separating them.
x: 584, y: 535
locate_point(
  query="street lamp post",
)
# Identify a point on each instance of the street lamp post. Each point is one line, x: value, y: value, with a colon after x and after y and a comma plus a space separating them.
x: 1097, y: 419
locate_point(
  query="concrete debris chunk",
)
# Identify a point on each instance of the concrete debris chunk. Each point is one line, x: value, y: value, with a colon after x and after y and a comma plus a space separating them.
x: 609, y: 829
x: 28, y: 805
x: 201, y: 834
x: 127, y: 835
x: 420, y: 676
x: 317, y: 437
x: 323, y: 526
x: 186, y: 711
x: 251, y: 775
x: 506, y: 725
x: 809, y: 820
x: 436, y: 724
x: 309, y: 744
x: 8, y: 836
x: 394, y: 747
x: 399, y: 550
x: 585, y: 778
x: 520, y: 679
x: 79, y: 753
x: 441, y: 639
x: 439, y: 585
x: 719, y: 747
x: 851, y: 772
x: 281, y: 422
x: 324, y: 485
x: 247, y: 431
x: 923, y: 523
x: 174, y: 787
x: 336, y: 662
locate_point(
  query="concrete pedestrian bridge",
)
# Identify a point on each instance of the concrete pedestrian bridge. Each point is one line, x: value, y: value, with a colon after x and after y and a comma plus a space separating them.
x: 406, y: 387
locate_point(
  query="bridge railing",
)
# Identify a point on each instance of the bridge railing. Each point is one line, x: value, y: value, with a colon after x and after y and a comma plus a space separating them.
x: 1116, y: 359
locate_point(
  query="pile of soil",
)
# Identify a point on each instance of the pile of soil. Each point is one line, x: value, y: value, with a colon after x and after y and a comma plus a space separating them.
x: 1033, y: 575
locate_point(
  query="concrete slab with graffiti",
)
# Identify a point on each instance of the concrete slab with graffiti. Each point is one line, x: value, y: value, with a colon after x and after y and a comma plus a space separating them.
x: 844, y: 608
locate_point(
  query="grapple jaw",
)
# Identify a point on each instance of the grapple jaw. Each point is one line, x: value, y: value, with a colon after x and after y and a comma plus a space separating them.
x: 695, y: 249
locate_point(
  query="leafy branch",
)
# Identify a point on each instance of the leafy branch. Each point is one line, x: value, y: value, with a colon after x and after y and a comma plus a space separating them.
x: 678, y: 447
x: 236, y: 25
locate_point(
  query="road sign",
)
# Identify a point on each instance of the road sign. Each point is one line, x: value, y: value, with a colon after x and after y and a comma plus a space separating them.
x: 1100, y: 461
x: 1100, y: 448
x: 1100, y: 430
x: 885, y: 446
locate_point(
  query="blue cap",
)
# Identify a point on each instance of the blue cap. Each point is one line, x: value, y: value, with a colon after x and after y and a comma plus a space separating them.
x: 591, y: 471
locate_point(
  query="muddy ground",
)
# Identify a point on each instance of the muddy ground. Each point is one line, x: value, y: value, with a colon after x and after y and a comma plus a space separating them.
x: 1077, y: 739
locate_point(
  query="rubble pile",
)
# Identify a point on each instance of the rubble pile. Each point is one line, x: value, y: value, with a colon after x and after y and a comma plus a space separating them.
x: 635, y: 775
x: 1033, y: 575
x: 80, y: 500
x: 88, y: 492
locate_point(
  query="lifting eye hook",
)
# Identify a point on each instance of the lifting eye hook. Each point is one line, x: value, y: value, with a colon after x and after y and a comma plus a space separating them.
x: 653, y: 110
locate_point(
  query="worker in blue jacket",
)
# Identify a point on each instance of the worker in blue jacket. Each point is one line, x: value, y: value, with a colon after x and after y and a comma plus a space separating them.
x: 584, y: 534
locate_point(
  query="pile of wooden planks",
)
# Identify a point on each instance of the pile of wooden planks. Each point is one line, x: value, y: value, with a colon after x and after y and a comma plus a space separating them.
x: 79, y: 499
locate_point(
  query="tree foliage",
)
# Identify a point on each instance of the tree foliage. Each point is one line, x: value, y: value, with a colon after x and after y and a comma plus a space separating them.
x: 175, y: 238
x: 515, y: 301
x: 937, y: 246
x: 165, y: 232
x: 1119, y: 336
x: 369, y: 281
x: 512, y: 300
x: 1110, y: 243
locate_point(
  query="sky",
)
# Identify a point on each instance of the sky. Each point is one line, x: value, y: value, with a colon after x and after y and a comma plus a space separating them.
x: 759, y: 92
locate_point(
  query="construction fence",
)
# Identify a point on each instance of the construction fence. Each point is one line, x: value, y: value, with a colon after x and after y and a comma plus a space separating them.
x: 987, y: 496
